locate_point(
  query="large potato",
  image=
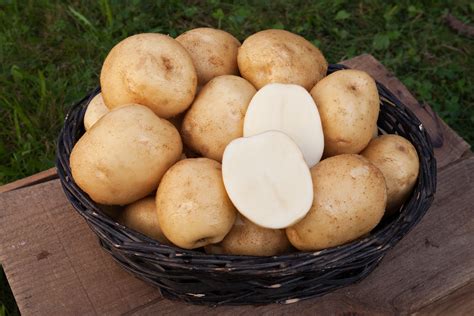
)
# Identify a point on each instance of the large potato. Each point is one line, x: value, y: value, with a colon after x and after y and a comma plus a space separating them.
x: 214, y: 52
x: 349, y: 201
x: 217, y: 115
x: 349, y: 105
x: 149, y: 69
x: 248, y: 239
x: 397, y: 159
x: 124, y: 155
x: 193, y: 207
x: 278, y: 56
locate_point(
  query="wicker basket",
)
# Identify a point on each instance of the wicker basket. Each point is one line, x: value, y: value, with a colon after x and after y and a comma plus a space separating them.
x: 193, y: 276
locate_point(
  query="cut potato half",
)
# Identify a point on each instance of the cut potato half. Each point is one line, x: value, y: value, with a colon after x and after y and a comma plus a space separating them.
x: 267, y: 179
x: 290, y: 109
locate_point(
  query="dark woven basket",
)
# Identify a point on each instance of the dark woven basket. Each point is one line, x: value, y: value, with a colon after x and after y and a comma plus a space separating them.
x: 199, y: 278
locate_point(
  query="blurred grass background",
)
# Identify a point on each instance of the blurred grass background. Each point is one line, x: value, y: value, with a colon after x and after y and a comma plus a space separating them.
x: 51, y: 53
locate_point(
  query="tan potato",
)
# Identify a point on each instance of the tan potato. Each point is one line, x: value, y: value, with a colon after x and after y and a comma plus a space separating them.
x: 142, y: 216
x: 193, y: 207
x: 246, y: 238
x: 214, y: 52
x: 95, y: 110
x: 217, y: 115
x: 349, y: 105
x: 397, y: 159
x: 278, y: 56
x: 149, y: 69
x: 349, y: 201
x: 123, y: 157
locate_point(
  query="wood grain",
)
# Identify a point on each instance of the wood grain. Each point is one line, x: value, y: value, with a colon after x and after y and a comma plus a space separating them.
x: 53, y: 261
x: 460, y: 302
x: 55, y: 265
x: 448, y: 146
x: 40, y: 177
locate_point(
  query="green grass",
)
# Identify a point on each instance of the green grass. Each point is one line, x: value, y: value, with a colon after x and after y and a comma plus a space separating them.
x: 51, y: 53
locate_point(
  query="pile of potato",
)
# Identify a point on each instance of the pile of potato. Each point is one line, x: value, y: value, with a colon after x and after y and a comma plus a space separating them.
x: 241, y: 149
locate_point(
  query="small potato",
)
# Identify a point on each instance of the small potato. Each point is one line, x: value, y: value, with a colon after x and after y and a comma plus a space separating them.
x: 149, y: 69
x: 214, y: 52
x: 248, y: 239
x: 397, y: 159
x: 95, y: 110
x: 278, y: 56
x: 349, y: 105
x: 193, y: 207
x: 142, y: 216
x: 217, y: 115
x: 123, y: 157
x: 349, y: 201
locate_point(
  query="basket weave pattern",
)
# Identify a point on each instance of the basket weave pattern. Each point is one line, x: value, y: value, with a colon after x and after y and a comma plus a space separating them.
x: 199, y: 278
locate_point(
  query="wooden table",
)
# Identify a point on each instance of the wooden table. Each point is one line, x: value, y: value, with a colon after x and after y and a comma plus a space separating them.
x: 55, y: 266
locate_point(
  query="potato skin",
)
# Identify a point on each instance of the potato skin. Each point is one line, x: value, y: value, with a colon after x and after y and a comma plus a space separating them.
x: 278, y: 56
x: 193, y: 207
x: 95, y: 110
x: 214, y: 52
x: 349, y: 201
x: 142, y: 216
x: 149, y: 69
x: 349, y: 105
x: 248, y: 239
x: 217, y: 115
x: 398, y: 160
x: 124, y: 155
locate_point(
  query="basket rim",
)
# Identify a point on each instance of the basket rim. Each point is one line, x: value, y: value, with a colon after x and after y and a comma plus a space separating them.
x: 195, y: 260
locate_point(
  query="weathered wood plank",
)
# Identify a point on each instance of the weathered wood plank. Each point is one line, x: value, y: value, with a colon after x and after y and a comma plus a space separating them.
x: 460, y: 302
x: 448, y: 145
x: 40, y: 177
x: 54, y: 264
x: 53, y: 261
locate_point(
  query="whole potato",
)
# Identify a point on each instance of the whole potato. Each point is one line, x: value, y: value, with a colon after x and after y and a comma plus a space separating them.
x: 248, y: 239
x: 278, y: 56
x: 149, y: 69
x: 124, y: 155
x: 349, y: 105
x: 217, y: 115
x: 349, y: 201
x: 95, y: 110
x: 142, y: 216
x: 214, y: 52
x: 193, y: 207
x: 397, y: 159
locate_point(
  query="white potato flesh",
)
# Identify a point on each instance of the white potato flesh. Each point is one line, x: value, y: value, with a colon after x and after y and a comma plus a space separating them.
x: 267, y: 179
x: 290, y: 109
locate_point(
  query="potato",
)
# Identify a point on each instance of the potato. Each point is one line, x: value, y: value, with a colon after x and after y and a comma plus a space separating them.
x: 217, y: 115
x: 193, y: 207
x: 278, y: 56
x: 267, y: 179
x: 149, y: 69
x: 95, y: 110
x: 397, y: 159
x: 248, y: 239
x: 214, y: 52
x: 290, y: 109
x: 142, y: 216
x: 124, y: 155
x: 349, y: 201
x: 349, y: 105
